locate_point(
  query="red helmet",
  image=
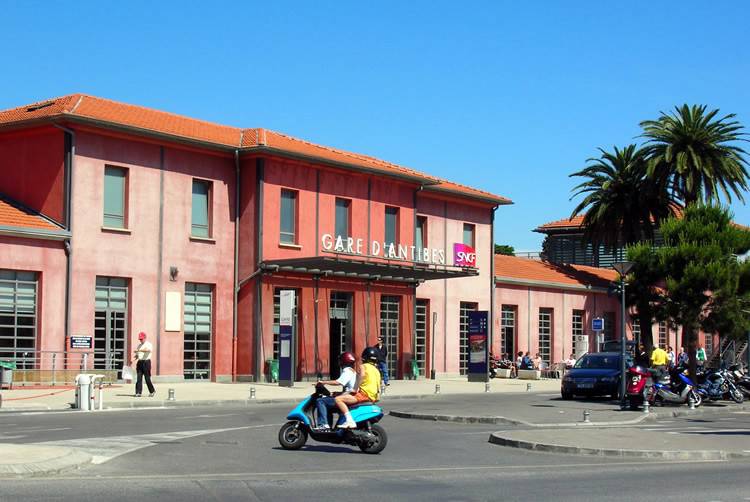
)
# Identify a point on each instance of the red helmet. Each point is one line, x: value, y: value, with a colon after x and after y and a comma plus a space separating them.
x: 347, y: 359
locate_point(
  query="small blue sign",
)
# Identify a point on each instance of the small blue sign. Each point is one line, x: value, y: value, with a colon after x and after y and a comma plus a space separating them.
x: 597, y: 324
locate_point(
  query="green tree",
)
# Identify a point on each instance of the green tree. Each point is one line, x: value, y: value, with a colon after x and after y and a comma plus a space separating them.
x: 642, y: 292
x: 621, y: 204
x: 701, y: 270
x: 695, y: 154
x: 505, y: 249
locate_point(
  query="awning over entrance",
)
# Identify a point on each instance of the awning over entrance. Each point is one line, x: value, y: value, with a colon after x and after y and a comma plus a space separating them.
x: 368, y: 270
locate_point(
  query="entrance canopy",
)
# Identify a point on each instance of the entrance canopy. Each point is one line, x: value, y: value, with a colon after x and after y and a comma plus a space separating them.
x: 368, y: 270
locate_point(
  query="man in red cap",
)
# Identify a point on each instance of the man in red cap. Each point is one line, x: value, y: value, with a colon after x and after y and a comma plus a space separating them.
x: 143, y: 366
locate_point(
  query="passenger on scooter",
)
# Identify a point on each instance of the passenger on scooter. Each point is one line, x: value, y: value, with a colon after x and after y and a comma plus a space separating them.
x: 347, y: 380
x: 367, y: 388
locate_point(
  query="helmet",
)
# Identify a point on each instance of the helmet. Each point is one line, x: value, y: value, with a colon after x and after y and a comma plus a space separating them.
x: 370, y: 354
x: 141, y: 335
x: 347, y: 359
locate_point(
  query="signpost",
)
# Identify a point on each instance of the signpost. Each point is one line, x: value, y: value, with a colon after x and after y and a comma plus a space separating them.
x: 597, y: 326
x: 478, y: 348
x: 286, y: 338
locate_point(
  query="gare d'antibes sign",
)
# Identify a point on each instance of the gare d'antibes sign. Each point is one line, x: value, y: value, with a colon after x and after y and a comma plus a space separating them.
x: 464, y: 256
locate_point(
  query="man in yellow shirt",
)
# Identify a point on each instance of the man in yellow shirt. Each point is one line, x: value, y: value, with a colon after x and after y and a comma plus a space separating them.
x: 658, y: 361
x: 367, y: 388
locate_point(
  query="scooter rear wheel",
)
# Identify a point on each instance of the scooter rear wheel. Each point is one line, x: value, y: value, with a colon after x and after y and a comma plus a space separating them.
x: 378, y: 444
x: 292, y: 436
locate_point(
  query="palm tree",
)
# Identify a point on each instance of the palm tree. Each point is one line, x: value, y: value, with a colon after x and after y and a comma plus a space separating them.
x: 621, y: 204
x: 695, y: 154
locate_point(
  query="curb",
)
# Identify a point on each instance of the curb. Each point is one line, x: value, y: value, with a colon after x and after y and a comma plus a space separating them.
x: 70, y: 460
x: 508, y: 421
x: 495, y: 438
x: 145, y: 404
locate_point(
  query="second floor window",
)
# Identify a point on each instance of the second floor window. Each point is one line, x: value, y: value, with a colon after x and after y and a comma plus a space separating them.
x: 469, y: 234
x: 115, y: 185
x: 288, y: 227
x: 420, y: 240
x: 391, y: 225
x: 200, y: 223
x: 342, y: 217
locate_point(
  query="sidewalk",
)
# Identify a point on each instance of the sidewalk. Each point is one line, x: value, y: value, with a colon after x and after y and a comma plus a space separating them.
x: 208, y: 393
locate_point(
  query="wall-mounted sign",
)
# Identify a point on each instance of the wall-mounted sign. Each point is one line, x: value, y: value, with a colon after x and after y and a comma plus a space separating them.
x: 478, y: 355
x: 464, y: 256
x: 597, y: 324
x: 81, y: 342
x: 286, y: 338
x: 390, y: 251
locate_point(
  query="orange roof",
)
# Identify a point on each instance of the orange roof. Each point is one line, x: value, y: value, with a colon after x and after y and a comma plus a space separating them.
x: 524, y: 270
x: 13, y: 214
x: 105, y: 112
x: 576, y: 222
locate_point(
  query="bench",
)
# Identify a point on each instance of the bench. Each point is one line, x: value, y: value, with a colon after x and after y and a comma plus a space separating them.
x: 529, y: 374
x: 502, y: 373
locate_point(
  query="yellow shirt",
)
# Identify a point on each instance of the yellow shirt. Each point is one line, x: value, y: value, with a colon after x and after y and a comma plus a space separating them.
x: 370, y: 383
x: 659, y: 357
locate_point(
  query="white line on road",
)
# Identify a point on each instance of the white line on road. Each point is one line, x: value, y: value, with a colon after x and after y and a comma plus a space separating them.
x: 208, y: 416
x: 44, y: 430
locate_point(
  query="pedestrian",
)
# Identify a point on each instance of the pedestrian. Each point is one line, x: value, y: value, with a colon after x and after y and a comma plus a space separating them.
x: 670, y: 357
x: 658, y: 362
x: 641, y: 357
x: 538, y: 362
x: 682, y: 357
x: 570, y: 361
x: 142, y: 354
x: 527, y: 363
x: 382, y: 353
x: 700, y: 356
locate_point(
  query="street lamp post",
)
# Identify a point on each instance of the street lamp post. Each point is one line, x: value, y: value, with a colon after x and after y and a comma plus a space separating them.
x: 622, y: 268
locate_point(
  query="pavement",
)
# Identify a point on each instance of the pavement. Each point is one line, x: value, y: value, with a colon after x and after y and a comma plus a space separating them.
x: 532, y: 418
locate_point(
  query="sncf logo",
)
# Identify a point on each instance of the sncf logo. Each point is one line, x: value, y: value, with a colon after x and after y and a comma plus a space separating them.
x: 464, y: 256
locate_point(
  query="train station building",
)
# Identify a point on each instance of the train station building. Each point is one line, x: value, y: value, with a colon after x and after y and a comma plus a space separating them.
x: 117, y: 219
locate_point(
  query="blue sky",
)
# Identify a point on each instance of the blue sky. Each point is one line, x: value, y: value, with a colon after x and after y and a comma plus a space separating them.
x: 509, y: 97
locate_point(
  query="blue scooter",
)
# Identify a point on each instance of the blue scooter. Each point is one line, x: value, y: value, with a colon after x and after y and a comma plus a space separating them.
x: 368, y: 436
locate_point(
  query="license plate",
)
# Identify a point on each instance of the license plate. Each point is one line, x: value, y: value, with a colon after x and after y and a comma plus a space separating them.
x: 585, y: 385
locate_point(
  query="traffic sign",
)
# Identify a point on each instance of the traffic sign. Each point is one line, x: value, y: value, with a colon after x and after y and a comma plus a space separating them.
x: 597, y: 324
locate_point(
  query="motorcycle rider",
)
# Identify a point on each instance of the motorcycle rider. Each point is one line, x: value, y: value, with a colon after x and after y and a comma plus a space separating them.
x: 347, y: 380
x: 367, y: 387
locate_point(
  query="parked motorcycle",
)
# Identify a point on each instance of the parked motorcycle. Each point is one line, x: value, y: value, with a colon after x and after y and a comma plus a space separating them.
x: 675, y: 387
x: 639, y: 382
x: 719, y: 384
x: 741, y: 379
x: 368, y: 436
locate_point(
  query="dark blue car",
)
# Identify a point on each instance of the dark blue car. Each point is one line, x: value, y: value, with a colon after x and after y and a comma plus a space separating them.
x: 594, y: 375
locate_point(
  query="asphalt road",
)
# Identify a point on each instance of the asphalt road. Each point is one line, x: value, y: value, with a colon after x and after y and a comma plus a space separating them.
x: 228, y: 453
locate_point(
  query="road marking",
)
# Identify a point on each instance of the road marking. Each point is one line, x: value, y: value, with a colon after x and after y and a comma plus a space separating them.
x: 13, y: 437
x: 104, y: 449
x: 45, y: 430
x: 208, y: 416
x: 379, y: 471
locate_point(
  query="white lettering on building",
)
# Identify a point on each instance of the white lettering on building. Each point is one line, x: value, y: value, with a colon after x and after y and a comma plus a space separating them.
x: 391, y: 251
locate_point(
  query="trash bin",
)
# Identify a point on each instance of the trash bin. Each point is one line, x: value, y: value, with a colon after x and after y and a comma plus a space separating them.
x: 6, y: 373
x: 273, y: 370
x: 414, y: 369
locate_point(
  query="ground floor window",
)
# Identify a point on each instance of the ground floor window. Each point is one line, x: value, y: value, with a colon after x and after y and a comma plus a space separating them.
x: 389, y: 323
x: 463, y: 328
x: 580, y: 342
x: 18, y: 308
x: 609, y: 326
x: 545, y: 334
x: 663, y: 335
x: 708, y: 344
x: 339, y: 330
x: 110, y: 323
x: 635, y: 324
x: 196, y: 359
x: 508, y: 330
x: 420, y: 330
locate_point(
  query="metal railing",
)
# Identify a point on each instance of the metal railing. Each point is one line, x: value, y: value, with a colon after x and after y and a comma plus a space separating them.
x: 50, y: 367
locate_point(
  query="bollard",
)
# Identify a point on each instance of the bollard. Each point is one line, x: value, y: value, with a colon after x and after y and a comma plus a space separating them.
x: 691, y: 402
x: 487, y: 387
x: 528, y: 387
x: 437, y: 388
x: 1, y: 399
x: 252, y: 392
x: 586, y: 415
x: 101, y: 396
x: 645, y: 406
x: 170, y: 395
x: 53, y: 369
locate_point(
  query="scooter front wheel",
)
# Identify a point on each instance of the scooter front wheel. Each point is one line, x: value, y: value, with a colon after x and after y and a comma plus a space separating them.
x: 377, y: 444
x: 292, y: 436
x: 736, y: 395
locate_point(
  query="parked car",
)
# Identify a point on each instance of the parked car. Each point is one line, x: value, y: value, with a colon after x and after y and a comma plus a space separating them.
x: 595, y: 374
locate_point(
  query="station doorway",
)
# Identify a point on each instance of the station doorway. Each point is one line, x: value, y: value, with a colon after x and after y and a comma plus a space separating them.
x: 339, y: 329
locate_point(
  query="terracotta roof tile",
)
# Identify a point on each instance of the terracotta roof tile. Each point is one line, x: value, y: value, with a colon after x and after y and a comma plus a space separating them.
x: 525, y: 269
x: 13, y: 214
x: 147, y: 120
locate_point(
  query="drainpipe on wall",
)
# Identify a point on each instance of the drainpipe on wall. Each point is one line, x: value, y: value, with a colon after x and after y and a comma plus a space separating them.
x: 160, y: 268
x: 70, y: 153
x: 492, y: 279
x: 260, y: 165
x: 237, y: 193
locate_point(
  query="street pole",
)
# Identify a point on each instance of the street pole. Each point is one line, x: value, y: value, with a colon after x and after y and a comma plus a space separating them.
x: 623, y: 339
